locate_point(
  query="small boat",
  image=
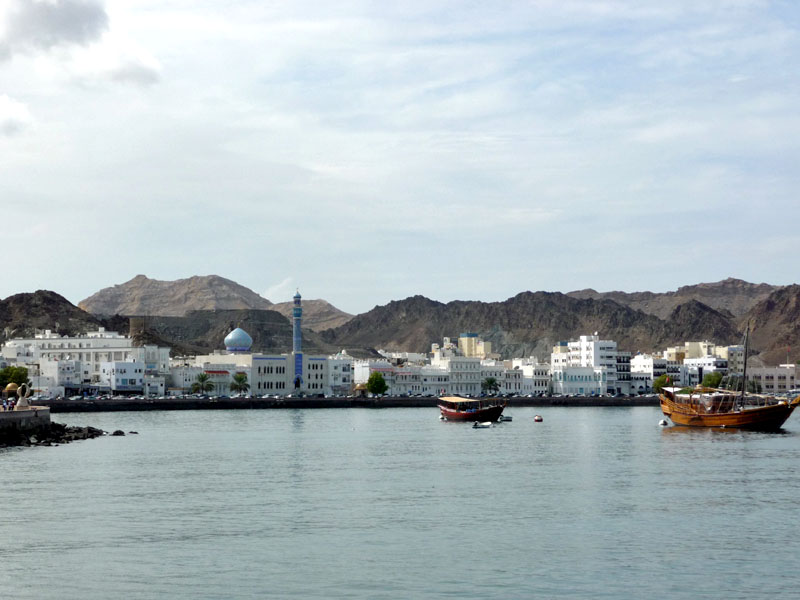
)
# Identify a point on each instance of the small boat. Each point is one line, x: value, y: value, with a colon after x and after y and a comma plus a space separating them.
x: 538, y: 418
x: 454, y: 408
x: 484, y: 425
x: 714, y: 407
x: 504, y: 418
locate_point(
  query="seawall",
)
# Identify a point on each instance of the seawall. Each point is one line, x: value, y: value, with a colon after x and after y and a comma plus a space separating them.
x: 112, y: 405
x: 31, y: 419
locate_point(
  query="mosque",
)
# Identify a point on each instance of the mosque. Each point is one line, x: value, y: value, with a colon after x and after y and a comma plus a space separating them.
x: 272, y: 374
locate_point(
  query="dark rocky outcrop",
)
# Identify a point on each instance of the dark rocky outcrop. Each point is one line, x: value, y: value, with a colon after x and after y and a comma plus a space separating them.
x: 21, y: 314
x: 729, y: 295
x: 49, y: 435
x: 528, y: 323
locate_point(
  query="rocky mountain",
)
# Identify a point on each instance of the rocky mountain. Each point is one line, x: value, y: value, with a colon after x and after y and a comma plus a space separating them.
x: 21, y: 314
x: 732, y: 295
x: 775, y: 326
x: 203, y: 331
x: 528, y: 323
x: 318, y: 315
x: 142, y: 296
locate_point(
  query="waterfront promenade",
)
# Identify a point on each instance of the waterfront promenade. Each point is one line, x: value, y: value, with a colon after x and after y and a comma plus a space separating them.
x: 192, y: 403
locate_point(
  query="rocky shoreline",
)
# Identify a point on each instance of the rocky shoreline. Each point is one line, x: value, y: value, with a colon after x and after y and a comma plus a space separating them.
x: 52, y: 434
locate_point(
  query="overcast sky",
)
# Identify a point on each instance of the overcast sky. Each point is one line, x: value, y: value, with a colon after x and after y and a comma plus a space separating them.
x: 369, y: 151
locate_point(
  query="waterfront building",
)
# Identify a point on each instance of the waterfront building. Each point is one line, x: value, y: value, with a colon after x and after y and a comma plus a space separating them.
x: 699, y: 349
x: 472, y: 345
x: 536, y: 379
x: 122, y: 376
x: 774, y: 380
x: 464, y: 373
x: 697, y: 368
x: 580, y: 381
x: 340, y: 374
x: 591, y: 351
x: 54, y: 378
x: 267, y: 374
x: 81, y: 359
x: 654, y: 367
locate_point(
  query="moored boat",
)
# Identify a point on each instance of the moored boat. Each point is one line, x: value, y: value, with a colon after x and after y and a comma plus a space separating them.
x: 454, y: 408
x: 735, y: 408
x: 711, y: 407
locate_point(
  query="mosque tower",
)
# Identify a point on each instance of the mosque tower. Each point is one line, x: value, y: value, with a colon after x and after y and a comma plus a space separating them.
x: 297, y: 340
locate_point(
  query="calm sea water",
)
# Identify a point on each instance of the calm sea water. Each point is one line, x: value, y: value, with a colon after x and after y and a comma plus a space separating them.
x: 591, y: 503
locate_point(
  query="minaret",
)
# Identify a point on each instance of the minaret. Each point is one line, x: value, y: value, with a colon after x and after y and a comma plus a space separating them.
x: 297, y: 340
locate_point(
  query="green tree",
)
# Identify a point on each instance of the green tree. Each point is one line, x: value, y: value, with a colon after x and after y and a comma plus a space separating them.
x: 376, y: 384
x: 659, y: 382
x: 202, y: 384
x: 712, y: 379
x: 18, y: 375
x: 239, y: 383
x: 490, y: 386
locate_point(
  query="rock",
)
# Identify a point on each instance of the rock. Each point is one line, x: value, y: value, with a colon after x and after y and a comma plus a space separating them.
x: 118, y: 432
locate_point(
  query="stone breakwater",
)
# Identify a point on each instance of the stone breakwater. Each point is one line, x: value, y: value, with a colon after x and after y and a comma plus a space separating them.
x: 112, y: 405
x: 51, y: 434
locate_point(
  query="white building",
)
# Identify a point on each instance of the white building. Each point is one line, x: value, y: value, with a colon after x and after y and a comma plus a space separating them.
x: 340, y: 374
x: 536, y: 378
x: 591, y: 351
x: 697, y: 368
x: 580, y: 381
x: 774, y: 380
x: 464, y: 372
x: 91, y: 350
x: 654, y: 367
x: 122, y: 376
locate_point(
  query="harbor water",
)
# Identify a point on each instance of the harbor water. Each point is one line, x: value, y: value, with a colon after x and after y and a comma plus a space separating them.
x: 394, y: 503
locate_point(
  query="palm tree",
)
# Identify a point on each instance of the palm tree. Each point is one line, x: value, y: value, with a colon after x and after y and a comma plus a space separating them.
x: 202, y: 384
x: 239, y: 383
x: 490, y: 386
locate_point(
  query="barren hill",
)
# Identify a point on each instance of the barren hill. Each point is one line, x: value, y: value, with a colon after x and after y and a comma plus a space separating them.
x: 528, y: 323
x: 203, y: 331
x: 775, y: 326
x: 142, y: 296
x: 733, y: 295
x: 21, y: 314
x: 318, y: 315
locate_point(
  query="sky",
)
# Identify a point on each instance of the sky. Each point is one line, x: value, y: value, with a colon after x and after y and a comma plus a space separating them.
x: 365, y: 152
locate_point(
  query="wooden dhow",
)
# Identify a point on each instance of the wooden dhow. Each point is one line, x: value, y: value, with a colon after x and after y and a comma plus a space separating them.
x: 714, y: 407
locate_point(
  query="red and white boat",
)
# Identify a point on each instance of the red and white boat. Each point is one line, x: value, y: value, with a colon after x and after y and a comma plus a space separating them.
x: 454, y: 408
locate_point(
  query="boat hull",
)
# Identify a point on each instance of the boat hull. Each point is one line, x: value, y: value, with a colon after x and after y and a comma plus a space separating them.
x: 490, y: 413
x: 762, y: 418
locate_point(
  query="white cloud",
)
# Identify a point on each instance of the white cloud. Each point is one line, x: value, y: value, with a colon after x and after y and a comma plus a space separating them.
x: 280, y: 292
x: 14, y: 116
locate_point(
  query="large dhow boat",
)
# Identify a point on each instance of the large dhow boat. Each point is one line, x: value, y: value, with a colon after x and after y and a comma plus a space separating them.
x: 454, y: 408
x: 734, y: 408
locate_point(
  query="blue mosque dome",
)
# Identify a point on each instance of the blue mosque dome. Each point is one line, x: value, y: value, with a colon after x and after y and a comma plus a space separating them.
x: 238, y: 341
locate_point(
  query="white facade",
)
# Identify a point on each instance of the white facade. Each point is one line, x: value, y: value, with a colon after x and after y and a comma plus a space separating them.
x: 122, y: 376
x: 580, y: 381
x: 340, y: 374
x: 465, y: 374
x: 774, y: 380
x: 654, y: 367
